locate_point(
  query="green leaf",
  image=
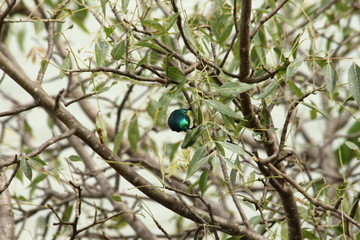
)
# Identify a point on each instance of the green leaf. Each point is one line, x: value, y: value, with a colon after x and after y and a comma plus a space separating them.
x: 293, y: 66
x: 118, y: 50
x: 101, y: 50
x: 141, y: 62
x: 117, y: 198
x: 175, y: 74
x: 108, y: 31
x: 66, y: 64
x: 322, y: 62
x: 67, y: 213
x: 192, y: 136
x: 344, y: 154
x: 37, y: 161
x: 227, y: 26
x: 295, y: 88
x: 79, y: 16
x: 233, y: 174
x: 152, y: 107
x: 119, y: 136
x: 26, y: 168
x: 39, y: 26
x: 222, y: 108
x: 197, y: 161
x: 150, y: 45
x: 221, y: 24
x: 233, y: 88
x: 173, y: 149
x: 43, y: 65
x: 352, y: 146
x: 203, y: 181
x: 125, y: 4
x: 165, y: 99
x: 153, y: 24
x: 103, y: 6
x: 330, y: 78
x: 170, y: 21
x: 188, y: 34
x: 315, y: 108
x: 38, y: 179
x: 354, y: 81
x: 75, y: 158
x: 134, y: 133
x: 232, y: 147
x: 309, y: 235
x: 236, y: 237
x: 268, y: 90
x: 295, y: 44
x: 21, y: 37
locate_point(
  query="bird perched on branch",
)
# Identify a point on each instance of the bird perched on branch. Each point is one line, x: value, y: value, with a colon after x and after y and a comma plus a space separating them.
x: 179, y: 120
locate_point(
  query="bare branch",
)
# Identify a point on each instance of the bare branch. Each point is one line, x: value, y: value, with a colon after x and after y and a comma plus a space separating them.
x: 18, y: 109
x: 121, y: 73
x: 51, y: 141
x: 334, y: 211
x: 10, y: 4
x: 234, y: 198
x: 266, y: 18
x: 7, y: 184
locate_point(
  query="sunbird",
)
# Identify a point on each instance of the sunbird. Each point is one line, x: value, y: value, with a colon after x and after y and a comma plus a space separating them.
x: 179, y: 120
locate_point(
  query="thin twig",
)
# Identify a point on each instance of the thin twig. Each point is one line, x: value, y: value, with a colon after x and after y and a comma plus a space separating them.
x: 121, y: 107
x: 10, y: 6
x: 32, y: 20
x: 51, y: 141
x: 289, y: 114
x: 266, y: 18
x: 19, y: 109
x: 162, y: 229
x: 187, y: 43
x: 51, y: 41
x: 7, y: 184
x: 336, y: 212
x: 231, y: 192
x: 122, y: 73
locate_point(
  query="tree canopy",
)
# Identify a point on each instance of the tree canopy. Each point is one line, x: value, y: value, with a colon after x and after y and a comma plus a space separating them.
x: 273, y: 93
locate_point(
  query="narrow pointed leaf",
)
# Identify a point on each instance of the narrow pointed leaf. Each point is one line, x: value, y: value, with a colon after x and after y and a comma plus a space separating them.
x: 101, y: 50
x: 330, y: 78
x: 315, y: 108
x: 192, y: 136
x: 188, y: 34
x: 26, y: 168
x: 232, y: 147
x: 134, y: 133
x: 222, y: 108
x: 103, y: 6
x: 38, y: 179
x: 118, y: 51
x: 268, y: 90
x: 175, y: 74
x: 65, y: 65
x: 154, y: 25
x: 354, y: 81
x: 197, y: 161
x: 233, y: 88
x: 295, y: 89
x: 293, y: 66
x: 203, y: 181
x: 75, y: 158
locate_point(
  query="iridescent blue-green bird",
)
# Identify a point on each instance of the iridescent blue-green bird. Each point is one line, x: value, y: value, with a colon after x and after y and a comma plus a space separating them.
x: 179, y: 120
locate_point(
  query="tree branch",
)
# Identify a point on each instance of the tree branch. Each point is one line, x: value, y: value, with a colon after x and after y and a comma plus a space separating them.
x: 40, y: 96
x: 266, y: 18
